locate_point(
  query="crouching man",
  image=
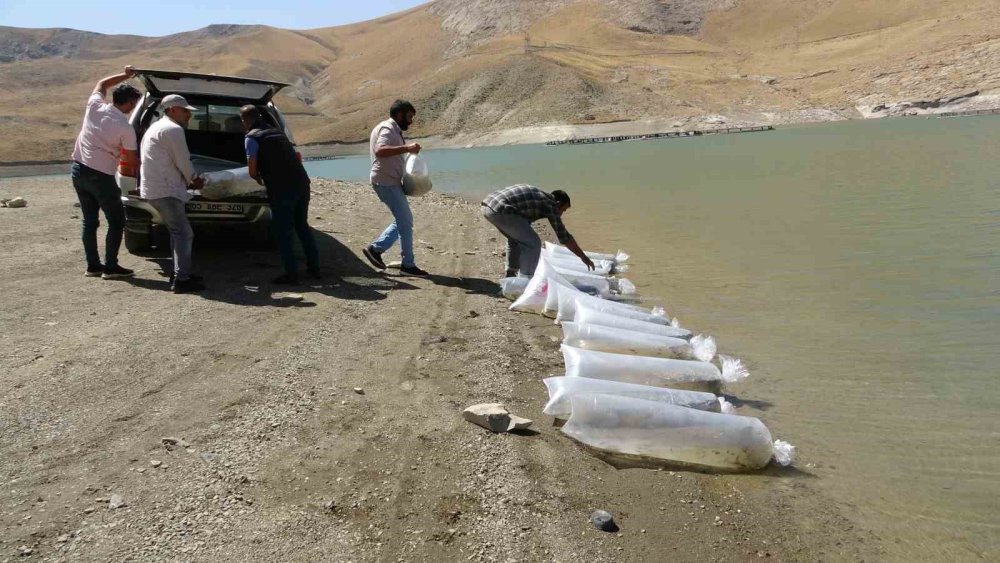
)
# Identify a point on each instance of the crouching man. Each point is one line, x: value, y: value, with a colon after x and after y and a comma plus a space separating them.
x: 512, y: 210
x: 167, y: 174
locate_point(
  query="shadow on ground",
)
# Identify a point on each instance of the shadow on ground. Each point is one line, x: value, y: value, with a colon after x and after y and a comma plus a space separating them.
x: 238, y: 269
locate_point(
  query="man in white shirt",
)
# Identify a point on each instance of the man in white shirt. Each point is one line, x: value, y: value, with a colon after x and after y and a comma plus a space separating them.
x: 167, y: 174
x: 104, y: 137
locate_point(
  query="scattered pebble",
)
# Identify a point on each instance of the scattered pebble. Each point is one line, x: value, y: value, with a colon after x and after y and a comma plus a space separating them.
x: 155, y: 462
x: 604, y: 521
x: 116, y: 501
x: 359, y: 390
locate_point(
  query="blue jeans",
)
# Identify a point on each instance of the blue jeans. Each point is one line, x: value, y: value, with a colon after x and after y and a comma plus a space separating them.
x: 99, y: 192
x: 174, y: 215
x: 402, y: 226
x: 290, y: 218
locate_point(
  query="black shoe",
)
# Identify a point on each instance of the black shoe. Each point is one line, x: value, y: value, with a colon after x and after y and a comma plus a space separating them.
x: 95, y: 272
x: 314, y: 273
x: 286, y: 279
x: 192, y: 277
x: 117, y: 272
x: 374, y: 257
x: 413, y: 271
x: 188, y: 286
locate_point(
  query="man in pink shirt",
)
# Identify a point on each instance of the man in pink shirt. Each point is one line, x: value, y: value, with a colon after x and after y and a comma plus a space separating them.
x: 104, y: 135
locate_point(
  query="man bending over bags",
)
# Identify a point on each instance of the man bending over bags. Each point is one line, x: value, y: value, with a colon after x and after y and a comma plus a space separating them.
x: 271, y: 160
x: 513, y: 209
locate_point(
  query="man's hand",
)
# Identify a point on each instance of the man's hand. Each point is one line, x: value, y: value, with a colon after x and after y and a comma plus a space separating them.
x: 586, y: 260
x: 413, y: 148
x: 197, y: 184
x: 129, y: 71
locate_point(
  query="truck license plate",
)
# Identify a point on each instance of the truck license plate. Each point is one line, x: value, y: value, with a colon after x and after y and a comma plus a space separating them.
x: 205, y: 207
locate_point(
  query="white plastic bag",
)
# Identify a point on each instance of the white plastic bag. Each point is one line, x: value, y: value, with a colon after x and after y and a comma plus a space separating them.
x: 586, y: 314
x: 601, y: 267
x: 686, y: 437
x: 571, y: 303
x: 416, y: 176
x: 532, y: 300
x: 618, y: 258
x: 561, y: 389
x: 224, y: 184
x: 512, y: 288
x: 658, y: 372
x: 621, y: 341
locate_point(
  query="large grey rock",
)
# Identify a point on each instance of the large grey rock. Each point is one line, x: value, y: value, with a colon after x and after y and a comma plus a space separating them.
x: 495, y: 417
x: 16, y: 202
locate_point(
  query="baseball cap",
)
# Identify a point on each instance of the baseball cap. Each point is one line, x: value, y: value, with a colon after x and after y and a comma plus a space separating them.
x: 176, y: 101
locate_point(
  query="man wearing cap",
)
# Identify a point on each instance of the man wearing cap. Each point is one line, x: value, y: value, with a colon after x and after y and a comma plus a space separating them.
x: 104, y: 136
x: 513, y: 209
x: 167, y: 175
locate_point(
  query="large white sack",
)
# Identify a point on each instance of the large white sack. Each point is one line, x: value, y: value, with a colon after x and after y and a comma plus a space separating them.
x: 532, y: 300
x: 225, y: 184
x: 561, y: 389
x: 586, y: 314
x: 570, y: 303
x: 618, y: 258
x: 621, y: 341
x: 685, y: 437
x: 658, y: 372
x: 512, y: 288
x: 601, y: 267
x: 416, y: 176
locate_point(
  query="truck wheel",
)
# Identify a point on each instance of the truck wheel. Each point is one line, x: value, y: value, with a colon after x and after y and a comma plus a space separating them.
x: 138, y: 242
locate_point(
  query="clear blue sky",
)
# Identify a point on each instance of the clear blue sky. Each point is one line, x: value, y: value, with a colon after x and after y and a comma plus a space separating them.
x: 172, y: 16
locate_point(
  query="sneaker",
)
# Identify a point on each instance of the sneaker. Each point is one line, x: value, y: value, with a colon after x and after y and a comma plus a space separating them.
x: 194, y: 277
x: 117, y: 272
x: 95, y: 272
x: 374, y: 256
x: 187, y: 286
x: 286, y: 279
x: 413, y: 271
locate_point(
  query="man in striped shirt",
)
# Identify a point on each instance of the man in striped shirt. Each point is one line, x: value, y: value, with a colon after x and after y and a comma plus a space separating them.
x: 513, y: 209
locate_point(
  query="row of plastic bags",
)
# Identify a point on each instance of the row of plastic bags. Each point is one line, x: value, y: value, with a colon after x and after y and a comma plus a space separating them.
x: 636, y: 383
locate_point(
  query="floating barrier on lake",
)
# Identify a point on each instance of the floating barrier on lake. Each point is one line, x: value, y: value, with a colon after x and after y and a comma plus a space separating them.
x: 667, y: 135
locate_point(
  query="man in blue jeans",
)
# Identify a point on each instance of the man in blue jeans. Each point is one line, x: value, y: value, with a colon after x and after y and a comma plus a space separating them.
x: 387, y: 148
x: 272, y: 161
x: 104, y: 137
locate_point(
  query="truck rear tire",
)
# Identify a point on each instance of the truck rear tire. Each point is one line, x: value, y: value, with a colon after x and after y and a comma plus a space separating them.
x: 138, y: 242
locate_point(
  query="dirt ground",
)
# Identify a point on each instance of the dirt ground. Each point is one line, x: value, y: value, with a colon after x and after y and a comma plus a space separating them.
x: 285, y: 461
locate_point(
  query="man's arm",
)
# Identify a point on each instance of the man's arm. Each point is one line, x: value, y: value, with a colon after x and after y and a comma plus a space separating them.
x: 383, y: 151
x: 181, y: 156
x: 575, y: 248
x: 253, y: 149
x: 109, y: 82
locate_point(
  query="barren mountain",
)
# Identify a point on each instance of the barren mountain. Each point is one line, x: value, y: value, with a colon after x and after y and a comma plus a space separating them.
x: 475, y: 67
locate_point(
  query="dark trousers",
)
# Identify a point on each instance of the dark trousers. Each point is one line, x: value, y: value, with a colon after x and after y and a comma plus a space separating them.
x: 290, y: 218
x: 99, y: 192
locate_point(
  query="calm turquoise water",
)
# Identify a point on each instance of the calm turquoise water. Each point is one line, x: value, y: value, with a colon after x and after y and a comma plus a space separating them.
x: 854, y: 266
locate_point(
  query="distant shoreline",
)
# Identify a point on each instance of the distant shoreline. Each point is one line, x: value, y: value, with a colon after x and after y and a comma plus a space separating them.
x: 540, y: 134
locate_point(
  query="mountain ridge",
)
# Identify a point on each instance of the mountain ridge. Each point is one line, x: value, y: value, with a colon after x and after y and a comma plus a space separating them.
x: 476, y: 67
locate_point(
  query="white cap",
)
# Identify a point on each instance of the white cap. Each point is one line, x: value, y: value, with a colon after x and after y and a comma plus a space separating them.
x: 176, y: 101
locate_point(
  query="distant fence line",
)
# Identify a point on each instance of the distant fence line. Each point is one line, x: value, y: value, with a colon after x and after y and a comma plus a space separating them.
x: 668, y: 135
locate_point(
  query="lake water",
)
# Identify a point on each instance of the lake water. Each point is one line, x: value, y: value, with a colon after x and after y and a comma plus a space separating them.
x: 854, y: 266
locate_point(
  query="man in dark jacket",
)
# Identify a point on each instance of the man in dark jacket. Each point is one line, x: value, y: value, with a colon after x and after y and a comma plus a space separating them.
x: 272, y: 161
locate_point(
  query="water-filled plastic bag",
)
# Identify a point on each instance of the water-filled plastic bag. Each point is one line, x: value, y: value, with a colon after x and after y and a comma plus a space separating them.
x: 562, y: 389
x: 416, y: 176
x: 224, y: 184
x: 512, y: 288
x: 618, y: 257
x: 588, y: 315
x: 621, y: 341
x: 658, y: 372
x: 570, y: 303
x: 677, y: 435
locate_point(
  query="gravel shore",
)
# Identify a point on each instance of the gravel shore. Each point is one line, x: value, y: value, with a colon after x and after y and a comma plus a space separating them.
x: 323, y: 422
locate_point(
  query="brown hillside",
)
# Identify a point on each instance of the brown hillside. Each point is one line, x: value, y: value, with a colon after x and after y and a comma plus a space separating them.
x: 474, y: 66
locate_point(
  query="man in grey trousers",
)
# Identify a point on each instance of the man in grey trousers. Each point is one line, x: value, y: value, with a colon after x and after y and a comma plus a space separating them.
x: 513, y: 209
x: 167, y: 174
